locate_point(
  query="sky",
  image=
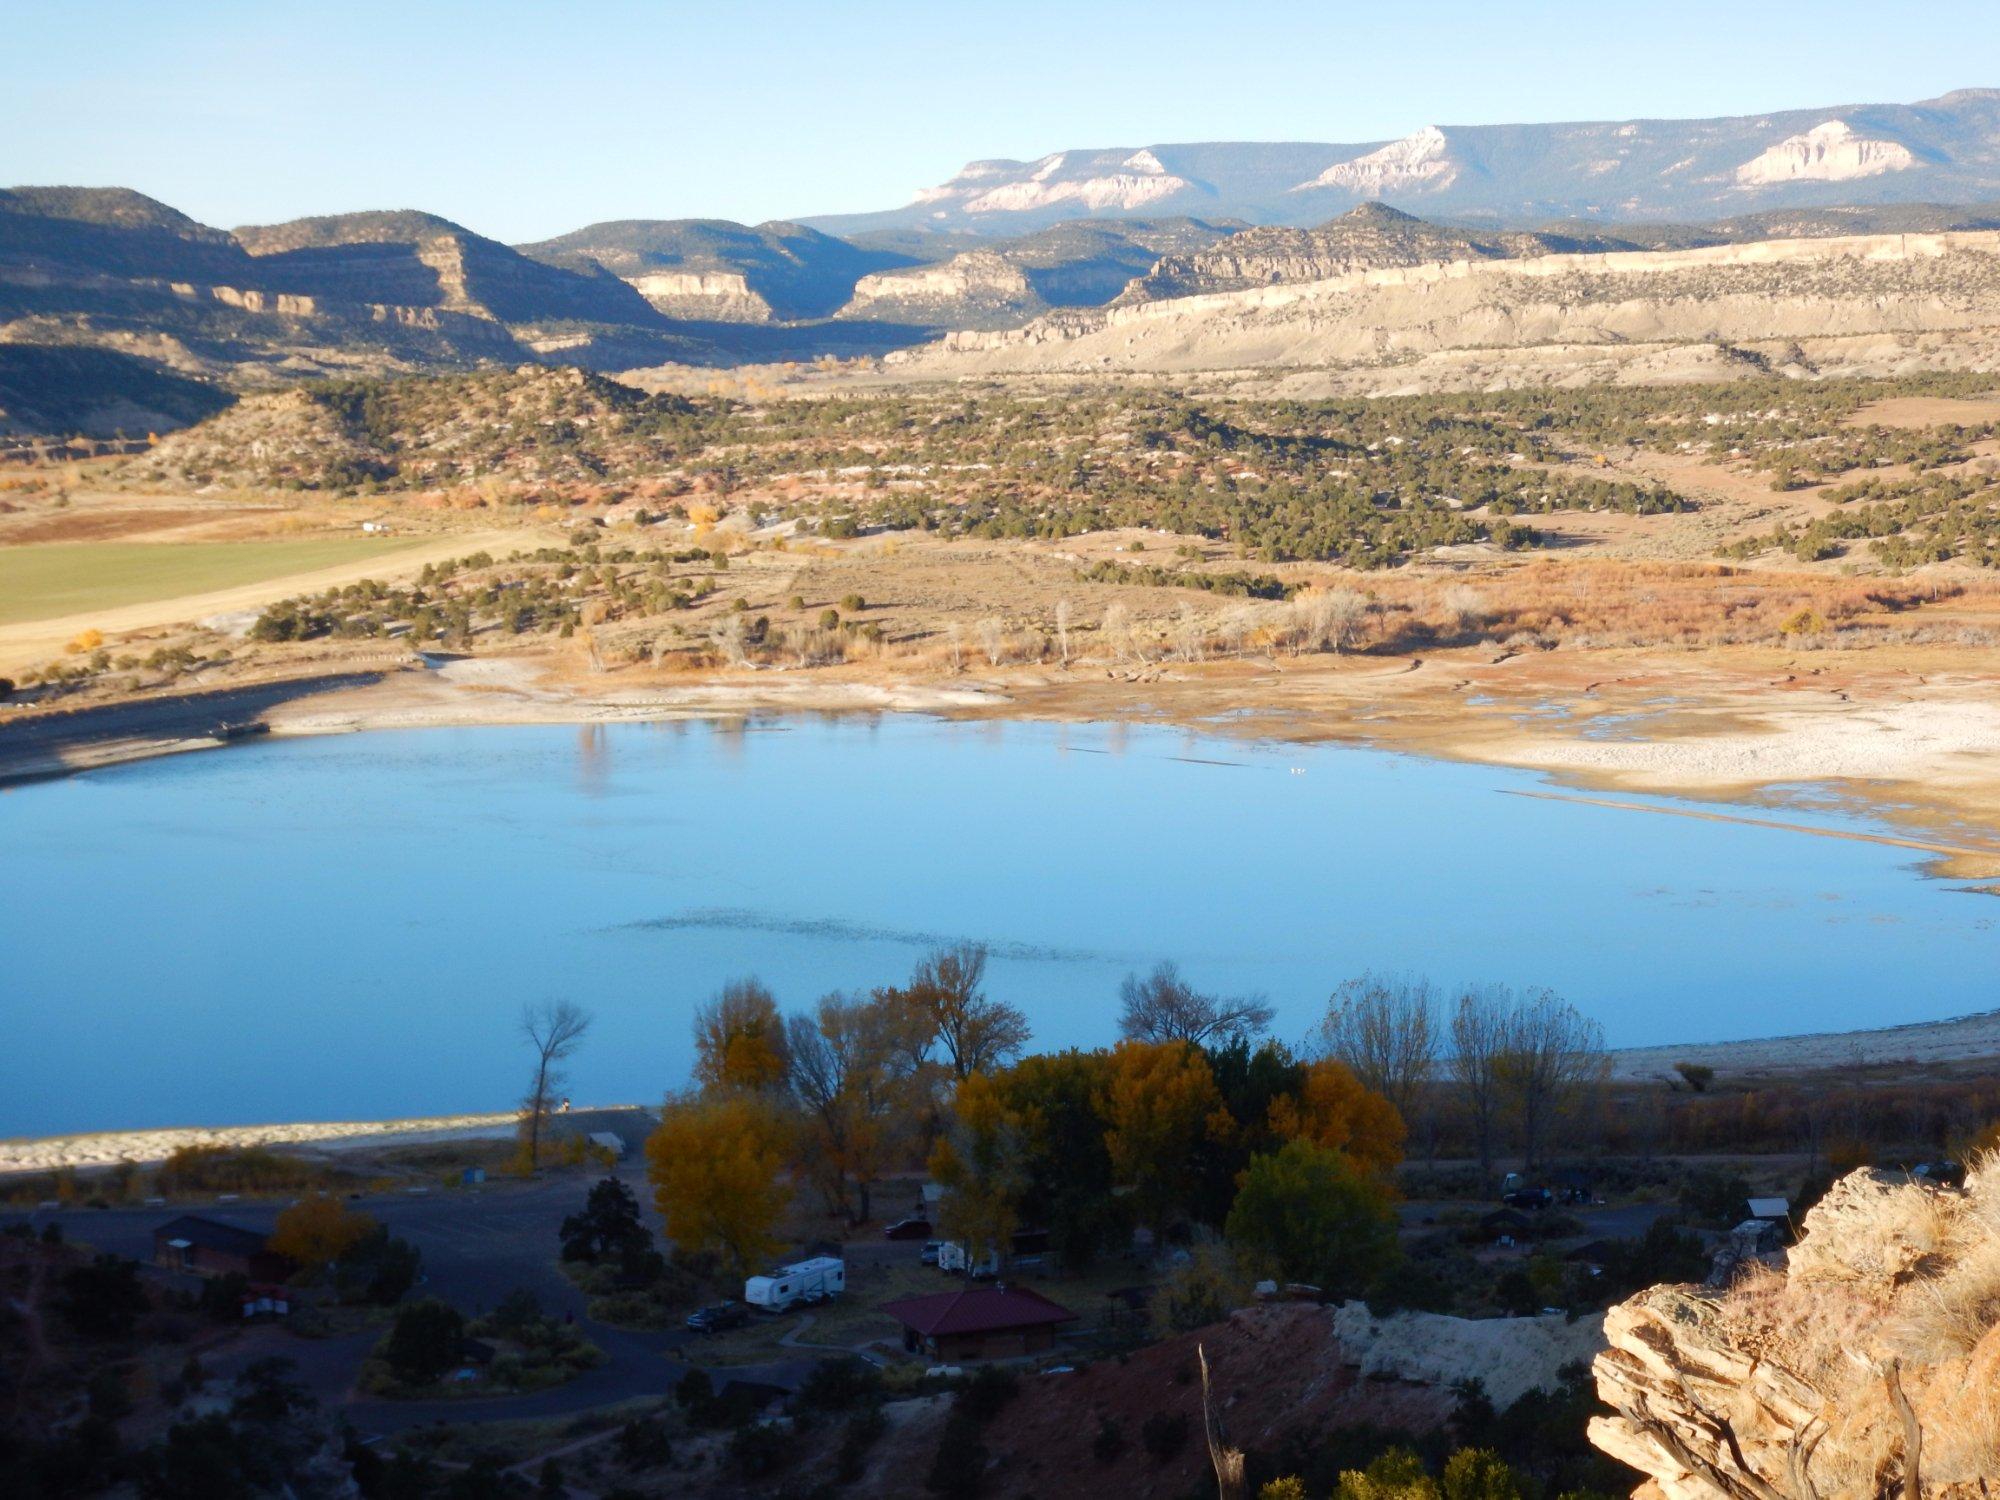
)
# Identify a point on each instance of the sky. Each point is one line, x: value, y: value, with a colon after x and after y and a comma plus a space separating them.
x: 523, y: 120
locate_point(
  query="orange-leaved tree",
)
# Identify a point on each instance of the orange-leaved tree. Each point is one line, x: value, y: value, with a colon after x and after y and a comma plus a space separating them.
x: 1160, y: 1106
x: 716, y: 1163
x: 1335, y: 1110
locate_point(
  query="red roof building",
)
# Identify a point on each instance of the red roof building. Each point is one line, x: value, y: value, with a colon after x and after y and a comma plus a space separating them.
x: 985, y: 1322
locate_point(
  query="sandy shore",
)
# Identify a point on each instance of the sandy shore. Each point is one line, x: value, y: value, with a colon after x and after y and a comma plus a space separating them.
x: 108, y: 1148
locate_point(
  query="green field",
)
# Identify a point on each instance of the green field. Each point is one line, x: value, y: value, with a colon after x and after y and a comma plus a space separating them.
x: 54, y: 579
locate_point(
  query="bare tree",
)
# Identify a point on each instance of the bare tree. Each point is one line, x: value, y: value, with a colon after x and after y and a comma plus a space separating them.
x: 1550, y: 1050
x: 1116, y: 630
x: 977, y: 1032
x: 1388, y: 1030
x: 954, y: 641
x: 1163, y: 1007
x: 1189, y: 634
x: 993, y: 639
x: 728, y: 635
x: 1465, y: 606
x: 1478, y: 1039
x: 1062, y: 631
x: 851, y: 1078
x: 554, y: 1029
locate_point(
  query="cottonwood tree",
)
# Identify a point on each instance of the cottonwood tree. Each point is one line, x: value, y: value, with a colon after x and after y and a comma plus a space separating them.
x: 1333, y: 1109
x: 851, y: 1076
x: 1116, y: 630
x: 1328, y: 618
x: 716, y: 1164
x: 977, y: 1161
x: 1163, y: 1007
x: 739, y: 1039
x: 1160, y: 1099
x: 554, y: 1029
x: 1318, y: 1215
x: 1388, y: 1030
x: 1479, y: 1026
x: 977, y: 1033
x: 993, y: 640
x: 1062, y: 631
x: 1550, y: 1052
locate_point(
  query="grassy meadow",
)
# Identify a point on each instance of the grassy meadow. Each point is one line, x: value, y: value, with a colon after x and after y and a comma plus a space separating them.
x: 50, y: 580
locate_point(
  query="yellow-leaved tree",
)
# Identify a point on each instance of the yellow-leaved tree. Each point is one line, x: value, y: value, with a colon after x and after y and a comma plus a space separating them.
x: 1160, y: 1105
x: 978, y: 1162
x: 316, y: 1231
x: 717, y: 1168
x: 739, y: 1039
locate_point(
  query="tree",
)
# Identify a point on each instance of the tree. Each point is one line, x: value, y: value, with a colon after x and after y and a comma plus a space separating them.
x: 1163, y: 1007
x: 1388, y: 1031
x: 739, y: 1039
x: 608, y: 1225
x: 1316, y: 1213
x: 851, y: 1076
x: 1066, y: 1167
x: 978, y: 1034
x: 1698, y: 1076
x: 978, y: 1163
x: 1160, y: 1105
x: 1333, y: 1110
x: 378, y: 1269
x: 318, y: 1230
x: 715, y: 1163
x: 554, y: 1030
x: 104, y: 1299
x: 1478, y: 1037
x: 424, y: 1342
x: 1550, y: 1050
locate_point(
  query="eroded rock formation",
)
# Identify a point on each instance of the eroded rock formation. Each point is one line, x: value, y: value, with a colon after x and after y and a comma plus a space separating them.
x: 1870, y: 1367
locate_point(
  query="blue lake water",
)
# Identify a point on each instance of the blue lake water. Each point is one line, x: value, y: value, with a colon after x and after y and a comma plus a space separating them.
x: 347, y: 928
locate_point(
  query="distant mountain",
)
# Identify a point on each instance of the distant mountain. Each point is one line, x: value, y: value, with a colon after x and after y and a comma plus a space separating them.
x: 1367, y: 238
x: 1084, y: 263
x: 1940, y: 150
x: 712, y: 268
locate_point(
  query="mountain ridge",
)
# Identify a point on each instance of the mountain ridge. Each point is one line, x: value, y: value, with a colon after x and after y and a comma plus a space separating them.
x: 1946, y: 148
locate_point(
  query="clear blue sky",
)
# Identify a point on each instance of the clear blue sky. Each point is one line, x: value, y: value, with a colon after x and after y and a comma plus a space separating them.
x: 522, y: 120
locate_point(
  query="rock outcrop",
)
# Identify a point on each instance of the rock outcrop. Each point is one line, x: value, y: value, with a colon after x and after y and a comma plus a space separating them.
x: 1874, y: 304
x: 1870, y: 1367
x: 1832, y: 152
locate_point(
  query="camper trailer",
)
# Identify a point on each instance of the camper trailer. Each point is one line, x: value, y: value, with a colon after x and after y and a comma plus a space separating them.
x: 955, y: 1259
x: 803, y: 1284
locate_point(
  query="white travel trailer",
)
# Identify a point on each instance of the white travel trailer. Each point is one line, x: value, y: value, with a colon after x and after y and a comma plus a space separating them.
x: 807, y: 1282
x: 955, y: 1258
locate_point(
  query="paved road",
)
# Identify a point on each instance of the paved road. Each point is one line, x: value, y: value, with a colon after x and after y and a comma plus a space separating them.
x: 478, y: 1245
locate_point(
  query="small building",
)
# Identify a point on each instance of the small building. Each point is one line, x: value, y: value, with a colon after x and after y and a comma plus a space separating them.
x: 211, y: 1248
x: 987, y: 1322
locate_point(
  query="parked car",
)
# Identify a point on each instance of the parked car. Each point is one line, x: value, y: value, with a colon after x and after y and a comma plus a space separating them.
x: 930, y: 1251
x: 908, y: 1229
x: 715, y: 1319
x: 1530, y: 1198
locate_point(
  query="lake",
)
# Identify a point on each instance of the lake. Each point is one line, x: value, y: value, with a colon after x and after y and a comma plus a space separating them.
x: 347, y: 928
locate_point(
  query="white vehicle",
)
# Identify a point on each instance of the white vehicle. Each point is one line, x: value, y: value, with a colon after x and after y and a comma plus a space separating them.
x: 806, y: 1282
x: 953, y: 1257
